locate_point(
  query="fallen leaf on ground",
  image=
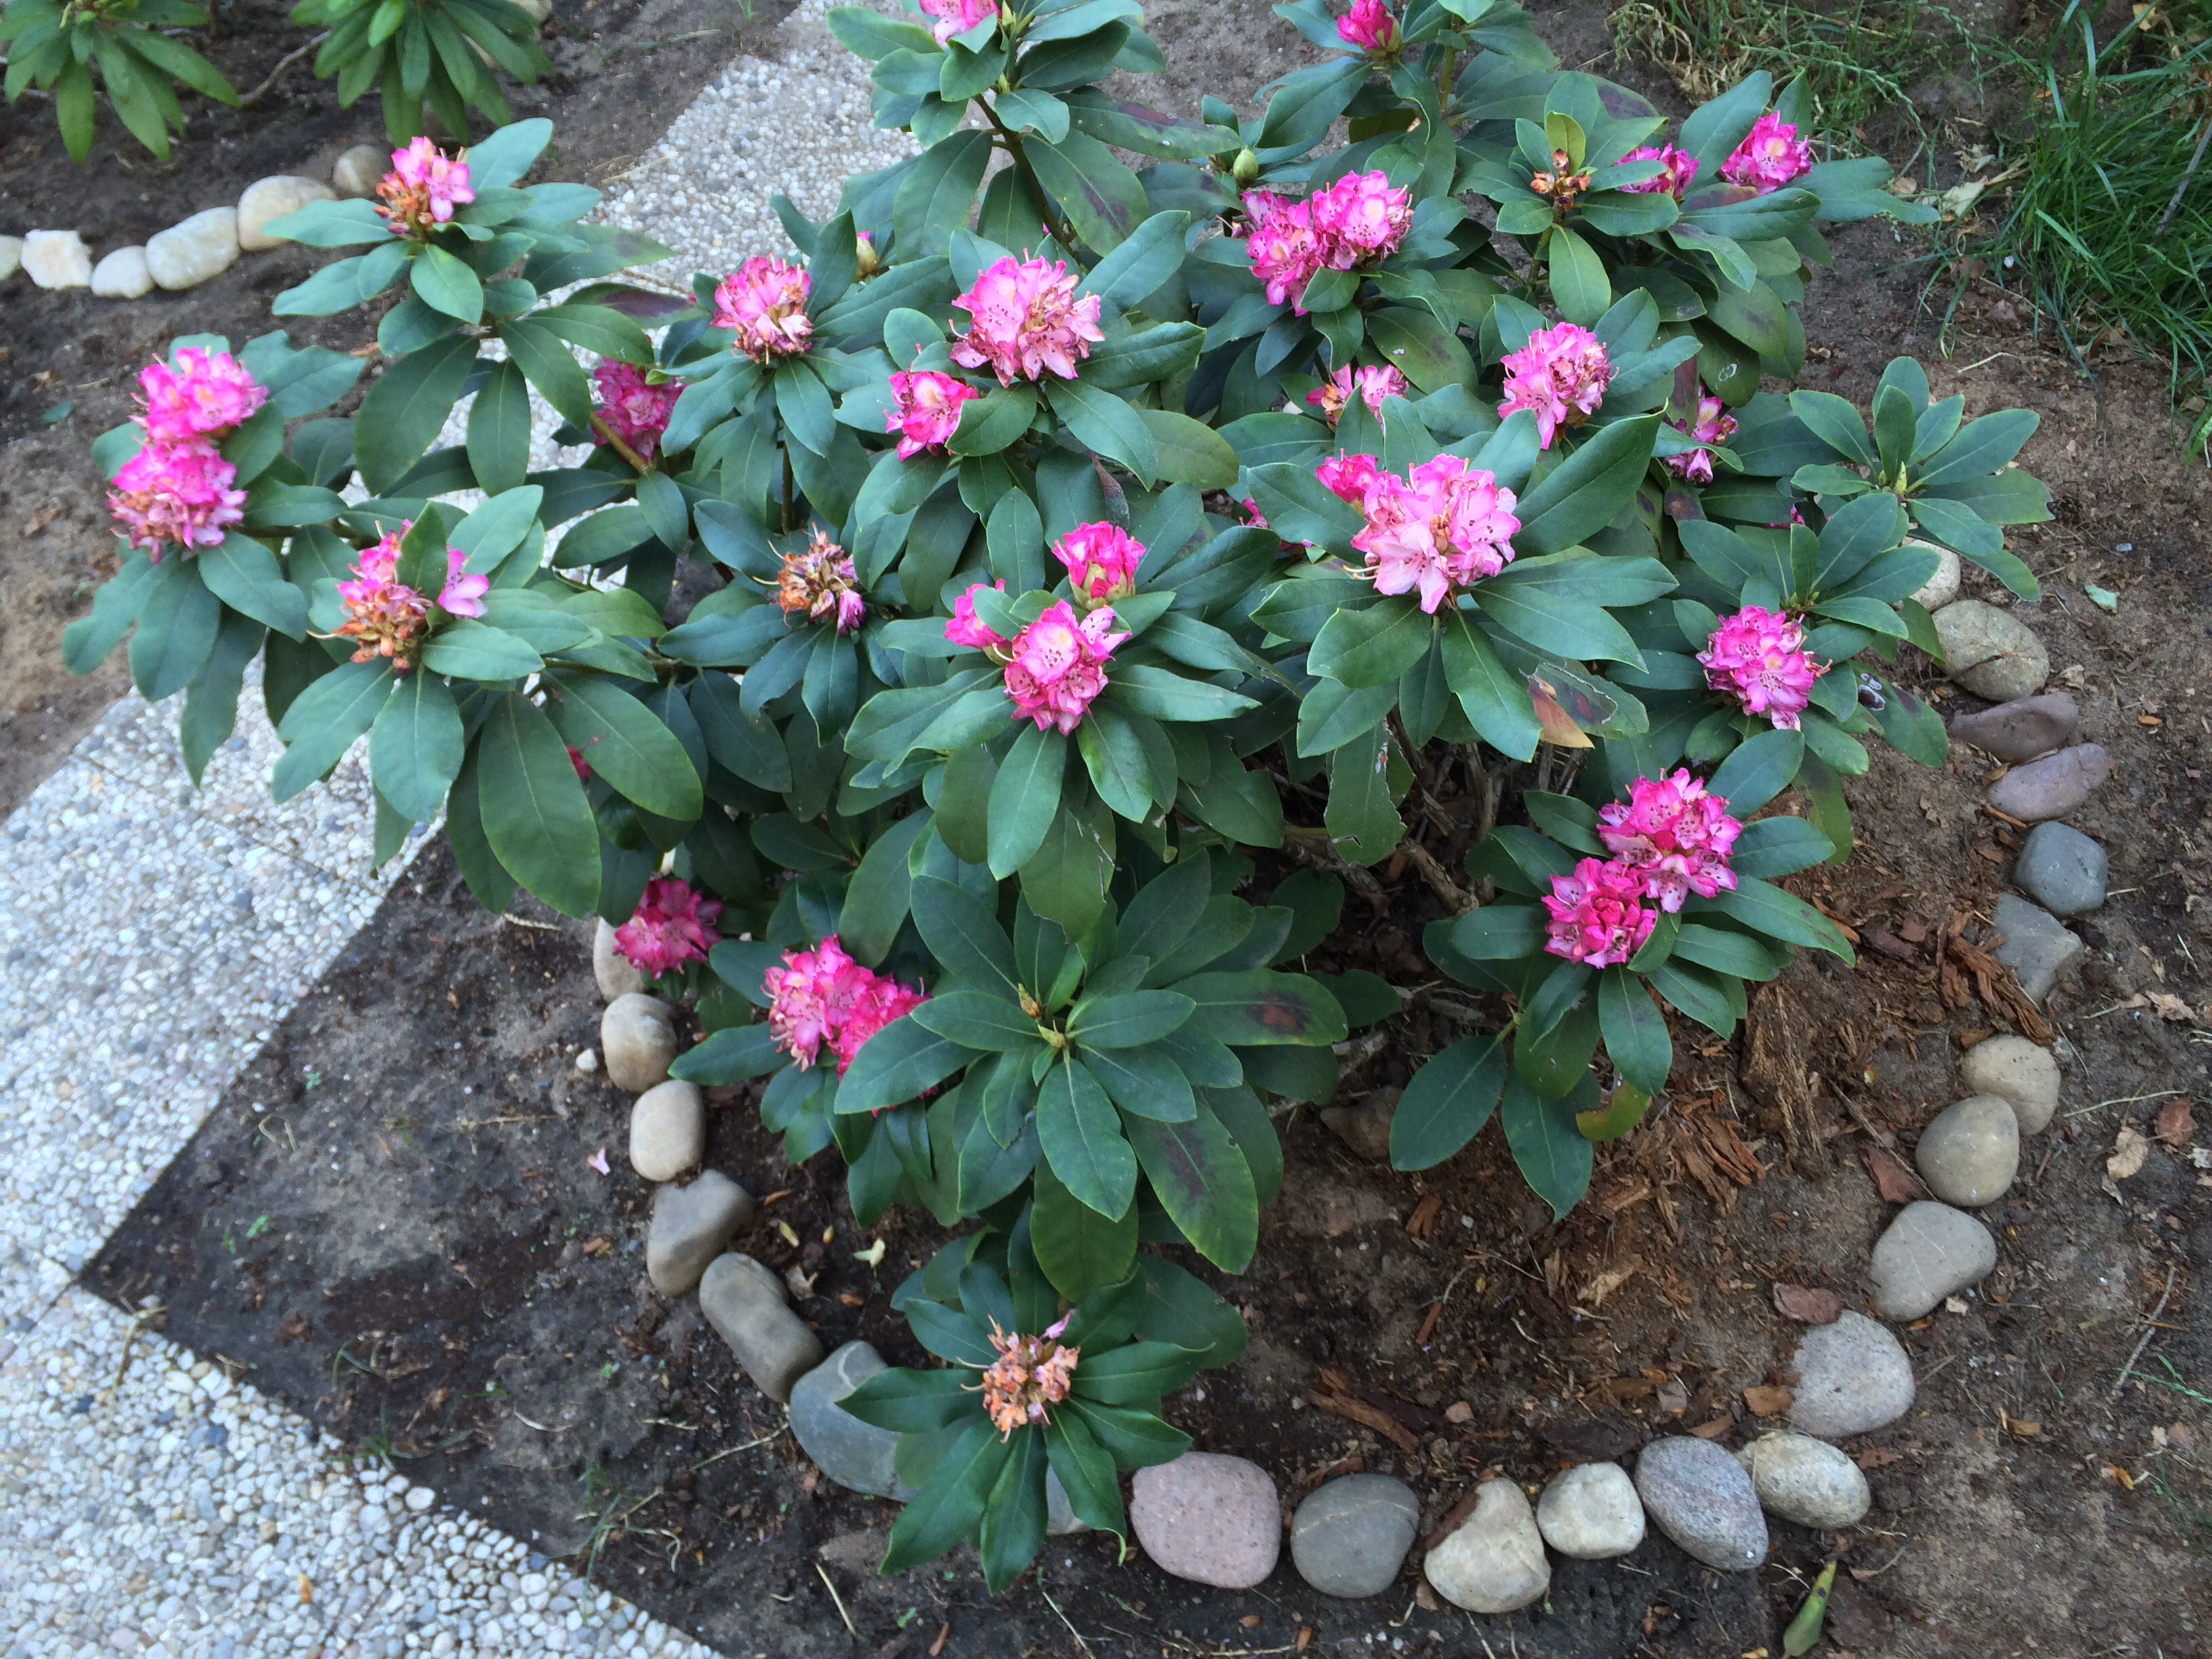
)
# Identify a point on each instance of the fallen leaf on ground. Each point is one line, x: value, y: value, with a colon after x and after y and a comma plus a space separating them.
x: 1714, y: 1430
x: 2181, y: 1437
x: 598, y: 1161
x: 39, y: 520
x: 1954, y: 1304
x: 2128, y: 1151
x: 944, y: 1632
x: 1807, y: 1305
x: 2023, y: 1428
x: 1875, y: 1457
x: 2176, y: 1123
x: 1897, y: 1184
x: 1765, y: 1399
x: 1423, y: 1217
x: 1607, y: 1282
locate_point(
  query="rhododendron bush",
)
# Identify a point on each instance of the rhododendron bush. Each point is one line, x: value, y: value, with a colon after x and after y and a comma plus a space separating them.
x: 975, y: 640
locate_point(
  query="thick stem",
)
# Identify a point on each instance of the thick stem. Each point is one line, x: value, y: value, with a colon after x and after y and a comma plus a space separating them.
x: 1058, y: 229
x: 1444, y: 78
x: 606, y: 433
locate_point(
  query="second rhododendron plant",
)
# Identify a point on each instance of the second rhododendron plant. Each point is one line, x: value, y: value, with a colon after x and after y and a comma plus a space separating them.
x: 672, y: 926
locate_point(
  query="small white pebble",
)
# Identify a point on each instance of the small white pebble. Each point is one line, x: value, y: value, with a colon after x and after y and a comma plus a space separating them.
x: 588, y: 1061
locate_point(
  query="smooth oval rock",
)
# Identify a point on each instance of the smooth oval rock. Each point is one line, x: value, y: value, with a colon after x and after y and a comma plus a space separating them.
x: 1929, y: 1251
x: 1210, y: 1518
x: 1349, y: 1536
x: 637, y: 1040
x: 857, y: 1456
x: 1970, y: 1151
x: 2062, y: 870
x: 691, y: 1226
x: 2039, y: 948
x: 11, y: 256
x: 1806, y: 1480
x: 2023, y: 728
x: 195, y: 250
x: 1494, y: 1560
x: 1852, y: 1377
x: 1939, y: 589
x: 744, y: 1302
x: 272, y: 198
x: 1991, y: 652
x: 359, y: 170
x: 2023, y: 1074
x: 122, y: 275
x: 57, y: 259
x: 667, y: 1130
x: 2054, y: 786
x: 1591, y: 1512
x: 1702, y: 1498
x: 610, y: 969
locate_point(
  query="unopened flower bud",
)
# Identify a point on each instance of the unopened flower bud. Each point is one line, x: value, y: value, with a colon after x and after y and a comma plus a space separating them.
x: 1246, y: 168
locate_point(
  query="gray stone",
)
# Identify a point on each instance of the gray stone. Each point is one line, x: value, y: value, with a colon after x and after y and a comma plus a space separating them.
x: 637, y: 1039
x: 2037, y: 947
x: 1209, y: 1518
x: 1349, y: 1536
x: 1939, y: 589
x: 1806, y: 1480
x: 266, y: 199
x: 1970, y: 1151
x: 1702, y: 1498
x: 2022, y: 1073
x: 2023, y: 729
x: 690, y: 1227
x: 1591, y: 1512
x: 11, y: 256
x: 667, y: 1130
x: 2054, y: 786
x: 1928, y: 1252
x: 855, y: 1455
x: 610, y: 967
x: 2062, y: 870
x: 1991, y: 652
x: 359, y: 170
x: 1364, y: 1127
x: 1852, y: 1377
x: 744, y: 1302
x: 122, y: 275
x: 1493, y: 1561
x: 195, y: 250
x: 57, y: 259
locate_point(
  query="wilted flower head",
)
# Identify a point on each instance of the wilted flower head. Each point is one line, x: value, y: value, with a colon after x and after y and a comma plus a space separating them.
x: 1348, y: 477
x: 966, y: 627
x: 672, y: 925
x: 1759, y: 658
x: 175, y: 494
x: 1562, y: 183
x: 1024, y: 318
x: 1360, y: 218
x: 1673, y: 836
x: 387, y: 619
x: 1102, y: 561
x: 1030, y: 1373
x: 635, y: 410
x: 764, y: 300
x: 1681, y: 169
x: 203, y: 395
x: 1444, y: 525
x: 1561, y: 374
x: 1056, y: 666
x: 1770, y: 156
x: 423, y: 188
x: 953, y: 17
x: 1713, y: 425
x: 928, y: 409
x: 1368, y: 27
x: 822, y: 996
x: 1373, y: 381
x: 819, y: 582
x: 1283, y: 249
x: 1597, y: 915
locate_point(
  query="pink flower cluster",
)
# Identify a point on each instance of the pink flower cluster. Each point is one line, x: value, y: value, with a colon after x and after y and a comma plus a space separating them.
x: 176, y: 489
x: 928, y: 411
x: 1680, y: 171
x: 634, y: 410
x: 823, y: 997
x: 387, y: 619
x: 967, y: 629
x: 1770, y: 156
x: 1102, y: 561
x: 672, y: 925
x: 1713, y: 425
x: 819, y: 582
x: 1444, y: 525
x: 1759, y: 658
x: 1056, y: 667
x: 423, y: 188
x: 1030, y: 1374
x: 1373, y: 382
x: 1025, y: 318
x: 952, y: 17
x: 1560, y: 375
x: 1673, y: 836
x: 1348, y: 477
x: 1368, y: 27
x: 1597, y: 915
x: 764, y: 300
x: 1356, y: 221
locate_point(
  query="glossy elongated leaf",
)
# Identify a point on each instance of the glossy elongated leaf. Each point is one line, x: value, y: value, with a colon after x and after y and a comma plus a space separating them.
x: 977, y: 1019
x: 324, y: 720
x: 950, y: 1507
x: 1128, y: 1020
x: 1448, y: 1101
x: 896, y: 1064
x: 1146, y: 1082
x: 245, y: 575
x: 536, y: 819
x: 1778, y: 846
x: 1204, y: 1182
x: 1257, y: 1008
x: 1552, y: 1156
x: 1635, y: 1031
x: 415, y: 746
x: 1025, y: 798
x: 1769, y: 910
x: 1758, y: 770
x: 403, y: 412
x: 1080, y: 1250
x: 1587, y: 491
x: 625, y: 742
x: 1081, y: 1135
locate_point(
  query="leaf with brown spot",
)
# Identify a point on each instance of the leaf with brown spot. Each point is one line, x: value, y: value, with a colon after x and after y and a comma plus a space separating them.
x: 1896, y: 1183
x: 1807, y: 1305
x: 1764, y: 1400
x: 2176, y: 1123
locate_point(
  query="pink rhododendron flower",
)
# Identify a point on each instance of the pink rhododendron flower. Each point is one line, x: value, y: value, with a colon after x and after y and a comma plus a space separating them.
x: 1373, y: 381
x: 1360, y: 218
x: 823, y: 997
x: 1673, y: 836
x: 1560, y: 375
x: 1368, y: 27
x: 956, y: 16
x: 1682, y: 168
x: 1031, y: 1374
x: 1758, y: 657
x: 1025, y: 319
x: 423, y: 188
x: 583, y: 767
x: 203, y: 395
x: 1348, y: 477
x: 1102, y: 561
x: 872, y: 1002
x: 1598, y: 917
x: 175, y: 494
x: 966, y: 627
x: 1283, y: 249
x: 386, y: 617
x: 1713, y: 425
x: 1445, y: 525
x: 1254, y: 517
x: 928, y: 409
x: 672, y: 926
x: 1770, y: 156
x: 1057, y: 667
x: 820, y: 583
x: 764, y: 300
x: 635, y: 410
